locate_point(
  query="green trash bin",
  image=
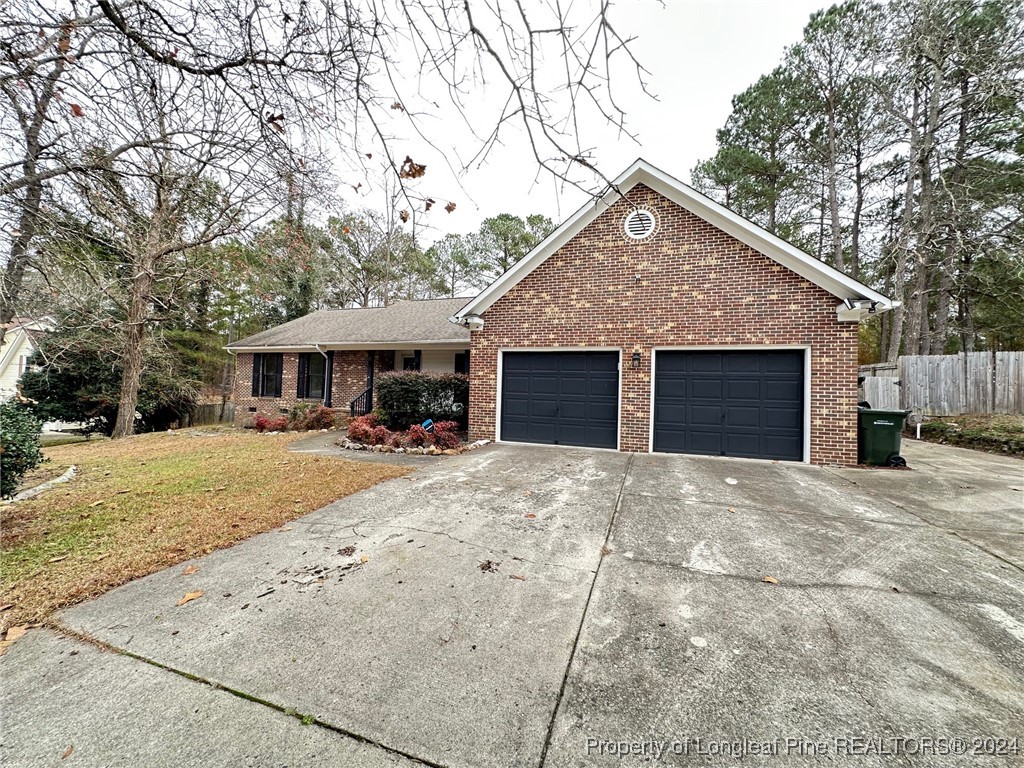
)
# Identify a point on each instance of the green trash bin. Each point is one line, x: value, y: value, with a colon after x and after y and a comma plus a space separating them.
x: 878, y: 437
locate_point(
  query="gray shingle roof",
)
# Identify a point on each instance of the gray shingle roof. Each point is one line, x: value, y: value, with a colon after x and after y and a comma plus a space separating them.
x: 403, y: 321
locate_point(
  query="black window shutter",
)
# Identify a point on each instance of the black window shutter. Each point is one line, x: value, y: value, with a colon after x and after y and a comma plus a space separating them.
x: 329, y: 379
x: 417, y: 357
x: 257, y: 373
x: 277, y: 379
x: 302, y: 387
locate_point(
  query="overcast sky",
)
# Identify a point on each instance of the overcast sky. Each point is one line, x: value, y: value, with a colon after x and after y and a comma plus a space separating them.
x: 699, y: 54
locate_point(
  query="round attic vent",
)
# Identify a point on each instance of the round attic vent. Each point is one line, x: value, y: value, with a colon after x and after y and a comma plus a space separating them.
x: 639, y: 224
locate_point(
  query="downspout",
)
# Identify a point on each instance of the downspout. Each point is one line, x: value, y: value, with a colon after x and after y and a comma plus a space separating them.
x: 328, y: 375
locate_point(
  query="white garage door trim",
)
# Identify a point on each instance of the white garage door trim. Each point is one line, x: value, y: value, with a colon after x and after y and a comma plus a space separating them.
x: 497, y: 399
x: 739, y: 348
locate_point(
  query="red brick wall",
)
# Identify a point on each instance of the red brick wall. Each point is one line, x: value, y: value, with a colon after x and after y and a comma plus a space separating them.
x: 349, y: 382
x: 688, y: 284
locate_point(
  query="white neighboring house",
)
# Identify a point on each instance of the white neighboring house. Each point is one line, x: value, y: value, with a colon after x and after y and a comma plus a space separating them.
x: 20, y: 341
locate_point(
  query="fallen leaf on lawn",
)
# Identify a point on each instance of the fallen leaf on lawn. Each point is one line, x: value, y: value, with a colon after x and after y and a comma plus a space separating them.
x: 190, y: 596
x: 58, y: 559
x: 67, y: 752
x: 6, y: 607
x: 16, y: 633
x: 189, y: 570
x: 97, y: 503
x: 364, y: 559
x: 517, y: 577
x: 124, y: 490
x: 770, y: 580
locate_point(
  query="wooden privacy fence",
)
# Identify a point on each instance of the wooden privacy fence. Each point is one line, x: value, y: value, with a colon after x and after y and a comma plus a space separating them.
x: 210, y: 413
x: 948, y: 385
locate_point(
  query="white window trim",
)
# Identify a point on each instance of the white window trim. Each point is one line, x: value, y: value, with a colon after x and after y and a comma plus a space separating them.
x: 739, y: 348
x: 498, y: 395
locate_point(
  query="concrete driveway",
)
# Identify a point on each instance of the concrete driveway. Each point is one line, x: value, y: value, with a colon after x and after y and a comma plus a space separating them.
x: 521, y: 606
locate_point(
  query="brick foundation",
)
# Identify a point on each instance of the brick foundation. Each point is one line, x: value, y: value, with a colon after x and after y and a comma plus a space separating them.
x: 689, y: 284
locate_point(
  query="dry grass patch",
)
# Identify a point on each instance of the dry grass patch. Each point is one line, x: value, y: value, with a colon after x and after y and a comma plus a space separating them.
x: 147, y: 502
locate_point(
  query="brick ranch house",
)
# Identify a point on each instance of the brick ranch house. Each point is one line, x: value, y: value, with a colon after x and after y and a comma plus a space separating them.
x: 653, y: 319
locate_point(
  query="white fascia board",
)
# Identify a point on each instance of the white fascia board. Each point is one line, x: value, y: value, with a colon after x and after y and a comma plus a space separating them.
x: 13, y: 343
x: 761, y: 240
x: 641, y: 172
x: 559, y: 237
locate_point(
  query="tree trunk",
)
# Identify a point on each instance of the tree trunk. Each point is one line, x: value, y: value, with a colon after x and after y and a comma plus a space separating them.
x: 917, y: 337
x: 954, y: 228
x: 903, y: 243
x: 833, y: 188
x: 28, y: 219
x: 134, y: 340
x: 858, y: 210
x: 17, y: 262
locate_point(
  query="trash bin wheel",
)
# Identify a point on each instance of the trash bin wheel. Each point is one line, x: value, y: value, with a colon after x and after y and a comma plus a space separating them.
x: 895, y: 460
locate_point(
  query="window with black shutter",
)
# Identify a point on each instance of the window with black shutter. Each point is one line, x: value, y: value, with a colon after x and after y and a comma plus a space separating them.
x: 266, y: 374
x: 312, y: 376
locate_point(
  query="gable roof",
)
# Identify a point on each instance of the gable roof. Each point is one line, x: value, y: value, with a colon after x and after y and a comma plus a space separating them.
x: 408, y: 323
x: 20, y: 333
x: 840, y: 285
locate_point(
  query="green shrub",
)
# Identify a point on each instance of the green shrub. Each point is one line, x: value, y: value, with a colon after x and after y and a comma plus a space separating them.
x: 405, y: 398
x: 19, y: 445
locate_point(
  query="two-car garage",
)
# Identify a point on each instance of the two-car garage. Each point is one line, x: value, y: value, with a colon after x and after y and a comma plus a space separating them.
x: 745, y: 403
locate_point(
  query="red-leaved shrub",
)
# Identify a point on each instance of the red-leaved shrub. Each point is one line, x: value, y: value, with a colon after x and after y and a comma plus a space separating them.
x: 446, y: 434
x: 361, y: 429
x: 380, y: 436
x: 306, y: 416
x: 320, y: 417
x: 418, y: 436
x: 266, y: 424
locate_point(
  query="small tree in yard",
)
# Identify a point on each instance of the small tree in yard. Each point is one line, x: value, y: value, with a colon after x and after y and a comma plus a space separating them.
x: 19, y: 445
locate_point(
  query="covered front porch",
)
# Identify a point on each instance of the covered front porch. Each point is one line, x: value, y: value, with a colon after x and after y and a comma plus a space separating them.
x: 358, y: 369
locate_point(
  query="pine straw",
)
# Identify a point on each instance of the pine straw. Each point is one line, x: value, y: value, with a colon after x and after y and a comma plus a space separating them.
x: 151, y: 501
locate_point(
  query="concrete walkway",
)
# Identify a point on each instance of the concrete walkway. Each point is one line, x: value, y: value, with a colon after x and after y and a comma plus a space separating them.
x: 521, y: 606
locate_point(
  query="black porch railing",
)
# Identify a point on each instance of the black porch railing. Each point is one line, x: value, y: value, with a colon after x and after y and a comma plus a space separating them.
x: 362, y: 405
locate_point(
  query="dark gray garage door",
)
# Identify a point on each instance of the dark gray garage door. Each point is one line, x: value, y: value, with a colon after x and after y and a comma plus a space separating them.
x: 562, y: 398
x: 748, y: 404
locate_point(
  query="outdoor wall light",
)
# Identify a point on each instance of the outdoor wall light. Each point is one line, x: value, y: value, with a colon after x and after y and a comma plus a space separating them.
x: 636, y: 359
